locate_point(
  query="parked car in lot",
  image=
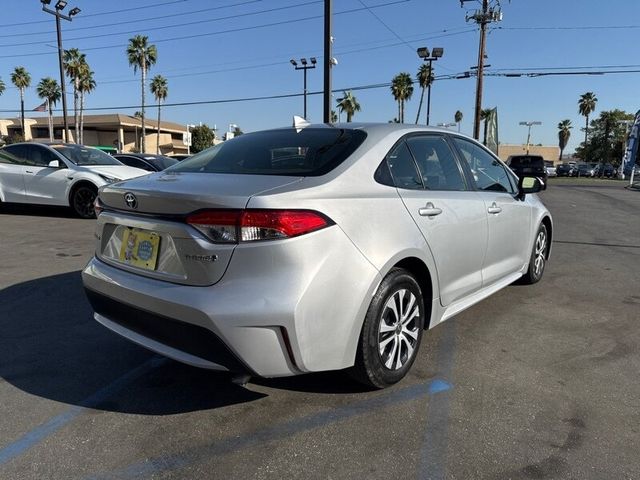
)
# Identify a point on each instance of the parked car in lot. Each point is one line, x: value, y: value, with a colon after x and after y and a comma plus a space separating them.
x: 550, y: 168
x: 320, y: 248
x: 528, y: 165
x: 179, y: 156
x: 605, y: 170
x: 566, y: 170
x: 58, y: 174
x: 151, y: 163
x: 587, y: 169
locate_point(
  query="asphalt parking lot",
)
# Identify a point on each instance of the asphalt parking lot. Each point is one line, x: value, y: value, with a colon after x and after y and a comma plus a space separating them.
x: 535, y: 382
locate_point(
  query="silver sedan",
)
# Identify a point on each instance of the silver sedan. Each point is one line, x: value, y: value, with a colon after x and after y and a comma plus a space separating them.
x: 300, y: 250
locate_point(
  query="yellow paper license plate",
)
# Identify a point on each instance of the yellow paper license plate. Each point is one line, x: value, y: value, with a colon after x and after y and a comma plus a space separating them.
x: 140, y: 248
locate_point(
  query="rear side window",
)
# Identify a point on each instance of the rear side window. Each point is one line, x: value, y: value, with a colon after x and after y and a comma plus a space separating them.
x: 403, y: 168
x: 436, y: 162
x: 307, y: 152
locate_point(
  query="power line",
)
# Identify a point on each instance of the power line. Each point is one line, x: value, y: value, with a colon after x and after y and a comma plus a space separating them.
x: 100, y: 13
x: 386, y: 26
x: 220, y: 32
x: 592, y: 27
x: 138, y: 21
x: 338, y: 90
x: 163, y: 27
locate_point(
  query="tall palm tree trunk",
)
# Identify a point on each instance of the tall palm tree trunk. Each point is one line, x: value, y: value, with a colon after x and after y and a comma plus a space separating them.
x: 50, y: 123
x: 81, y: 135
x: 76, y: 132
x: 586, y: 129
x: 158, y: 134
x: 24, y: 135
x: 420, y: 106
x: 144, y: 78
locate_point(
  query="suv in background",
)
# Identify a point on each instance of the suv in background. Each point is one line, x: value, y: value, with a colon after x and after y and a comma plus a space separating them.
x: 529, y: 165
x: 565, y: 170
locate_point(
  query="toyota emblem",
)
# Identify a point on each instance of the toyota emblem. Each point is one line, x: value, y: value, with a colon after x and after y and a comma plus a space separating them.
x: 131, y: 200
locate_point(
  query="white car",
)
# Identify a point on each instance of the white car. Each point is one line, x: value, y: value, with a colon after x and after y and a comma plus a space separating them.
x: 58, y: 174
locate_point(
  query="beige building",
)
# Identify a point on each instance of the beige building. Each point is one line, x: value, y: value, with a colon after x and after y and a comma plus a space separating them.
x: 121, y: 132
x: 547, y: 152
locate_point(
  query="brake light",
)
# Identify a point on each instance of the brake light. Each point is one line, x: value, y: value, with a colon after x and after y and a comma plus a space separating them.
x: 234, y: 226
x: 97, y: 206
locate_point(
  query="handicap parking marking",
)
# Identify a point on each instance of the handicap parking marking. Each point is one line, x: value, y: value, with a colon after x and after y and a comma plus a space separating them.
x: 176, y: 461
x: 38, y: 434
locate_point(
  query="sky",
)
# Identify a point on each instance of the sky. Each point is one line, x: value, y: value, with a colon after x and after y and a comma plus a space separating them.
x: 220, y: 51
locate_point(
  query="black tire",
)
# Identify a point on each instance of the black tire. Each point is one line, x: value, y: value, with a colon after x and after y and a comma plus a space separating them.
x: 538, y: 260
x: 82, y: 201
x: 385, y: 357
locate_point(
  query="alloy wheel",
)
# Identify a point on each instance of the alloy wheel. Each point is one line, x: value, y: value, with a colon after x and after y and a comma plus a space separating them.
x: 399, y: 329
x: 540, y: 253
x: 83, y: 202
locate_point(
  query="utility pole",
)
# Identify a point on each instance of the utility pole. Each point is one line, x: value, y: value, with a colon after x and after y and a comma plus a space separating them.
x: 490, y: 13
x: 328, y: 59
x: 60, y: 5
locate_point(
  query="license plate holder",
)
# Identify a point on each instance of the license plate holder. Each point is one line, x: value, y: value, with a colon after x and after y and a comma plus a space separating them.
x: 140, y: 248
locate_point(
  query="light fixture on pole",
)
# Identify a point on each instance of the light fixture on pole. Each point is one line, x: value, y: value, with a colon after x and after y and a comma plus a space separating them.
x: 529, y: 125
x: 436, y: 53
x: 304, y: 67
x: 60, y: 5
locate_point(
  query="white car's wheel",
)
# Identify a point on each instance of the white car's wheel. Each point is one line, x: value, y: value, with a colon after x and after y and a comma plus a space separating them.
x: 82, y: 200
x: 392, y: 331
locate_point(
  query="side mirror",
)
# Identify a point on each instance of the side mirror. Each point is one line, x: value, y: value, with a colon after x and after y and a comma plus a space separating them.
x: 530, y: 185
x: 54, y: 164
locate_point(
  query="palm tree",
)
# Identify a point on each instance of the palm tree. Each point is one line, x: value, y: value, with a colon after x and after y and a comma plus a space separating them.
x: 141, y: 55
x: 458, y: 118
x: 401, y: 89
x: 21, y: 79
x: 425, y: 78
x: 586, y: 105
x: 484, y: 115
x: 564, y: 132
x: 75, y: 66
x: 49, y: 90
x: 86, y: 84
x: 160, y: 90
x: 349, y: 104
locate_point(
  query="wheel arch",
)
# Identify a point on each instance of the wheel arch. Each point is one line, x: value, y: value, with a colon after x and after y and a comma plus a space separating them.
x: 546, y: 221
x: 422, y: 274
x: 80, y: 183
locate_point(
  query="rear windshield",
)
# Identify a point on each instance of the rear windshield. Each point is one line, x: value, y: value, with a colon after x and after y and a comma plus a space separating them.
x: 526, y: 162
x: 307, y: 152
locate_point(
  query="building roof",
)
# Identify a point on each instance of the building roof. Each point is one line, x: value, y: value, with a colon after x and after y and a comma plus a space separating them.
x: 109, y: 119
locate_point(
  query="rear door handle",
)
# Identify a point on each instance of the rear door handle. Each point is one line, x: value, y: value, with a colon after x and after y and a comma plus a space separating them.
x: 429, y: 210
x: 494, y: 208
x: 28, y: 171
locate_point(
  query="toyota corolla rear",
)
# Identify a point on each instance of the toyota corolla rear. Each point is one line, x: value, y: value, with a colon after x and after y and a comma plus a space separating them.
x: 197, y: 263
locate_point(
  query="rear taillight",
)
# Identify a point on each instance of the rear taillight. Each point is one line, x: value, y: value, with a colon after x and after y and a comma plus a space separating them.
x: 97, y: 206
x: 234, y: 226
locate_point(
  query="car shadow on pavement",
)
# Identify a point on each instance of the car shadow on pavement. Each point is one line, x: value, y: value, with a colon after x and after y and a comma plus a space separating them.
x: 52, y: 348
x: 36, y: 210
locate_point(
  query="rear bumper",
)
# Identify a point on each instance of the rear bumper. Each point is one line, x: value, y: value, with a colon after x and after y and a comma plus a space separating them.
x: 301, y: 311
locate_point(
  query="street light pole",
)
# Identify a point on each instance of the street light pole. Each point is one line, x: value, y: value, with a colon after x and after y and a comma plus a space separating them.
x: 60, y: 5
x: 304, y: 67
x: 436, y: 53
x: 529, y: 125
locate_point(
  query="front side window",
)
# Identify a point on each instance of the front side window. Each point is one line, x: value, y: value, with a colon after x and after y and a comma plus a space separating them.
x: 488, y: 172
x: 437, y: 164
x: 40, y: 156
x: 288, y: 152
x: 85, y: 156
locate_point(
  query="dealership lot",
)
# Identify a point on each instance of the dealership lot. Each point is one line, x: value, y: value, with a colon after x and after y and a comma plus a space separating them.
x: 535, y: 382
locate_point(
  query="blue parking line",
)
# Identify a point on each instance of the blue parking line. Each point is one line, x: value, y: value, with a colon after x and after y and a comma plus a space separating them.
x: 54, y: 424
x: 166, y: 463
x: 434, y: 447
